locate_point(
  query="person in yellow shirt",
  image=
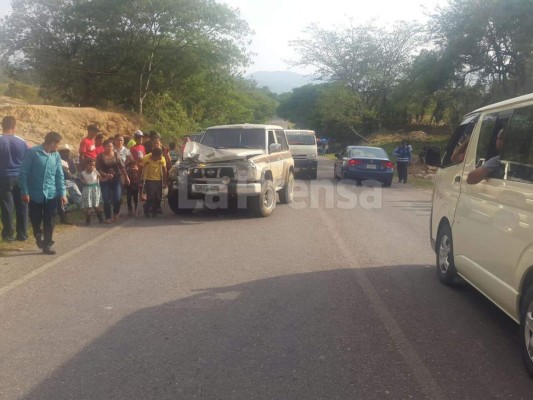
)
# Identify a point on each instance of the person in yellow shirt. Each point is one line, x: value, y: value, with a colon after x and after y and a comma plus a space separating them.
x: 154, y: 173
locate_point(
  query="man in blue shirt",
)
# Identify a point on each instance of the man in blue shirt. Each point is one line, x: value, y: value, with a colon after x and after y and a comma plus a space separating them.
x: 42, y: 185
x: 12, y: 151
x: 403, y: 158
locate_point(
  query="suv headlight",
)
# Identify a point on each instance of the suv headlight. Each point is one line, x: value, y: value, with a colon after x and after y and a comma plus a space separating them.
x: 246, y: 170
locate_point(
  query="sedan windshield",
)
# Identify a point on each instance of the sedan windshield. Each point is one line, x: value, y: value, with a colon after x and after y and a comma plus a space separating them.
x: 234, y: 138
x: 367, y: 152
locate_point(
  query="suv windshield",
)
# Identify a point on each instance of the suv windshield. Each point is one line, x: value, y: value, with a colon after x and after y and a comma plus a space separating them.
x: 234, y: 138
x: 300, y: 139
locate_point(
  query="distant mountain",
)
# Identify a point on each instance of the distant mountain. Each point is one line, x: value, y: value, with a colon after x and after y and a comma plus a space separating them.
x: 280, y: 81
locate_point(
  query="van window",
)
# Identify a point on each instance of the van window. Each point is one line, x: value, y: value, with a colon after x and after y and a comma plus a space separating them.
x: 282, y: 140
x: 464, y: 130
x: 517, y: 153
x: 485, y: 142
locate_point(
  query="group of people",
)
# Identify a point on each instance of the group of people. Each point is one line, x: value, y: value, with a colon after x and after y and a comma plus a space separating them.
x: 39, y: 181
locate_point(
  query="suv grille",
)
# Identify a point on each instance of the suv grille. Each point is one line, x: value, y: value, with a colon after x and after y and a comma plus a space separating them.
x: 211, y: 172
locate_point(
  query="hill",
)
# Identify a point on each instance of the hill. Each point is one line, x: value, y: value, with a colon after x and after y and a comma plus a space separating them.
x: 34, y: 121
x: 280, y: 81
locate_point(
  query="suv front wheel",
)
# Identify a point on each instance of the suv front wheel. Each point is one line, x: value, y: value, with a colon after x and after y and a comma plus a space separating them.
x: 264, y: 204
x: 286, y: 194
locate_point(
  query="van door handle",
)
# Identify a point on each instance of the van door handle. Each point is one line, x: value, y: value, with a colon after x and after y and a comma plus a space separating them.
x: 457, y: 179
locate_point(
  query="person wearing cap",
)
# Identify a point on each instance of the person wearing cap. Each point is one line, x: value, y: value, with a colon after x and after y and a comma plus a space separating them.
x: 133, y: 142
x: 12, y: 151
x: 138, y: 151
x: 87, y: 145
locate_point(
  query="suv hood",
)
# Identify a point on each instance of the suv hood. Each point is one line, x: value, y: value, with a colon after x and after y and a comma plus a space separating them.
x: 198, y: 152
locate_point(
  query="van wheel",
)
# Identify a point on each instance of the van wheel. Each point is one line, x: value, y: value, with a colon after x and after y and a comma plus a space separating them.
x: 264, y: 204
x: 286, y: 194
x: 313, y: 174
x: 526, y: 326
x: 446, y: 271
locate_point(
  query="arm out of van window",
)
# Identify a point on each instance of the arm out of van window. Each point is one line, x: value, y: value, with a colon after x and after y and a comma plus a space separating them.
x: 488, y: 167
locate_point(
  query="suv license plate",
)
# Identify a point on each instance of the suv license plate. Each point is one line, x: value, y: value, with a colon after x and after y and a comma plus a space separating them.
x: 207, y: 189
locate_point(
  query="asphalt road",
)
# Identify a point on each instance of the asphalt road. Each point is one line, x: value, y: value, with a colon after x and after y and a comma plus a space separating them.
x: 334, y: 297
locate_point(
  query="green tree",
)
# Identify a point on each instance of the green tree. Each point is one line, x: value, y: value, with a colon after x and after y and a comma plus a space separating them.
x: 490, y: 42
x: 120, y: 51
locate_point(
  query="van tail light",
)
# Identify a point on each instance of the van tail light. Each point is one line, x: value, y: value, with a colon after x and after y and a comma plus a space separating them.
x: 388, y: 164
x: 353, y: 163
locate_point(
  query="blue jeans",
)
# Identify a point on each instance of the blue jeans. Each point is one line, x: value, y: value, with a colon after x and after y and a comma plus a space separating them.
x: 11, y: 200
x: 112, y: 197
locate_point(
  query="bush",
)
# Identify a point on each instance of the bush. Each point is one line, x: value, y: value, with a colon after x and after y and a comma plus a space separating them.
x: 24, y: 92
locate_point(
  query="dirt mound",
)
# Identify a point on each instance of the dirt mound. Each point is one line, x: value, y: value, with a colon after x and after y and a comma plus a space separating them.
x: 33, y: 122
x: 9, y: 101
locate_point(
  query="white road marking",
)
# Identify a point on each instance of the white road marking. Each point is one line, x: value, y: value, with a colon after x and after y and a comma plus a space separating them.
x: 10, y: 286
x: 402, y: 344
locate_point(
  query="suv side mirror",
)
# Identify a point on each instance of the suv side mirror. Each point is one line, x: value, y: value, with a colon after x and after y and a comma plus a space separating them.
x: 274, y: 148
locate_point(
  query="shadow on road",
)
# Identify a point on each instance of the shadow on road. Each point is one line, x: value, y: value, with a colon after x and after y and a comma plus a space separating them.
x: 305, y: 336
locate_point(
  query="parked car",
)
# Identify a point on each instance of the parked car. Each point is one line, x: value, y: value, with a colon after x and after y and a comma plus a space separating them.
x: 363, y: 162
x: 483, y: 232
x: 248, y: 162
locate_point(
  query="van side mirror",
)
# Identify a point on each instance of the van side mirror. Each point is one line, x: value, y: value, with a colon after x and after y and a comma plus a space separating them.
x: 274, y: 148
x: 431, y: 156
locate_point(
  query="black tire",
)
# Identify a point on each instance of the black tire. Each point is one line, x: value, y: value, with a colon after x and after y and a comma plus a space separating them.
x: 526, y: 329
x: 174, y: 204
x: 313, y: 174
x: 264, y: 204
x: 286, y: 194
x: 446, y: 271
x: 387, y: 183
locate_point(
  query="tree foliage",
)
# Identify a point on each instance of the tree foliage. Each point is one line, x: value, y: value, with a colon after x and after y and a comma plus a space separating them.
x: 470, y: 53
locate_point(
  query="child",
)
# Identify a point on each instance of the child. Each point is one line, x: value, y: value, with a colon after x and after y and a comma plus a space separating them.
x: 132, y: 190
x: 91, y: 196
x: 155, y: 174
x: 173, y: 153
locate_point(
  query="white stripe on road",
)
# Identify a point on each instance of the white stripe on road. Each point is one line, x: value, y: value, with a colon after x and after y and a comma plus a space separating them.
x: 402, y: 344
x: 10, y: 286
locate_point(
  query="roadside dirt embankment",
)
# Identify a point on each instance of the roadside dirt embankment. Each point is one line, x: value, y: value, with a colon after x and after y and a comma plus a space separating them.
x: 34, y: 121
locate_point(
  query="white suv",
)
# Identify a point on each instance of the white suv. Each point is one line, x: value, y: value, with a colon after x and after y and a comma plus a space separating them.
x: 483, y: 231
x: 245, y: 165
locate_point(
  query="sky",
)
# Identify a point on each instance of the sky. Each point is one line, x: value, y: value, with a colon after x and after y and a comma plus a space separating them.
x: 277, y: 22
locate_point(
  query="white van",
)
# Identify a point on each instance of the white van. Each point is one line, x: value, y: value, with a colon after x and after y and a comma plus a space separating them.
x: 304, y: 151
x: 483, y: 232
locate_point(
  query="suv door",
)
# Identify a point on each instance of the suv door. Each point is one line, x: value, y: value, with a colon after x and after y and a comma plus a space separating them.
x: 276, y: 161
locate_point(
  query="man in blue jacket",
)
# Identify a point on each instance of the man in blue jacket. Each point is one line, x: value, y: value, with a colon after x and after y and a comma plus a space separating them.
x: 403, y: 158
x: 42, y: 185
x: 12, y: 151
